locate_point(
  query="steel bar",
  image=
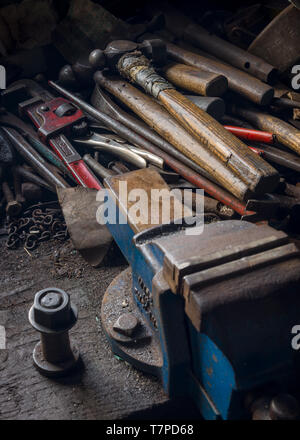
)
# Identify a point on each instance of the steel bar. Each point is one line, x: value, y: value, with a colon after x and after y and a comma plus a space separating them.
x: 29, y: 176
x: 183, y: 27
x: 32, y: 157
x: 238, y: 81
x: 99, y: 169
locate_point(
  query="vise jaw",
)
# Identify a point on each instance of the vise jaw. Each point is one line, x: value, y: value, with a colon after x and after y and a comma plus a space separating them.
x: 213, y: 312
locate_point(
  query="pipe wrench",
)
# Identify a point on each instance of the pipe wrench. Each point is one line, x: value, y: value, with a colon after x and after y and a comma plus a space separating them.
x: 57, y: 121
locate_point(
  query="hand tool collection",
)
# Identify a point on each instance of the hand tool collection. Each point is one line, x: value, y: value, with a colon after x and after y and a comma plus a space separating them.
x: 181, y: 107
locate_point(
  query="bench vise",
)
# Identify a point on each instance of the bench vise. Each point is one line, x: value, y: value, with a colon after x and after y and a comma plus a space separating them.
x: 210, y: 314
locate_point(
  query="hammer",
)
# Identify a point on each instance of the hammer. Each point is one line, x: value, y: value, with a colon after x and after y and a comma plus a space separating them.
x: 127, y: 58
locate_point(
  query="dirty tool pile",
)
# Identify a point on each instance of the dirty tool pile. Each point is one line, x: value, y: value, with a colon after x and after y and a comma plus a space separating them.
x: 167, y: 101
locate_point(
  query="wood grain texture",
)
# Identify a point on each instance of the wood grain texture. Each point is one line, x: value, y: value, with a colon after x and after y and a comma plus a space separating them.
x: 238, y: 81
x: 285, y: 133
x: 167, y: 126
x: 195, y: 80
x: 107, y: 388
x: 252, y: 169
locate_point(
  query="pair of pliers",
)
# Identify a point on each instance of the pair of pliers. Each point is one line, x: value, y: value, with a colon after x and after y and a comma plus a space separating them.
x: 113, y: 144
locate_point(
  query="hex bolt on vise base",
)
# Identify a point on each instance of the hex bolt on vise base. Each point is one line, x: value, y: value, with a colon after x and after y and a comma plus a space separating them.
x: 53, y: 315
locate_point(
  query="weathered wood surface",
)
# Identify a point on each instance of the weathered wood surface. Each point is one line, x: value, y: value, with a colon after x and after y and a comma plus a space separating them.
x: 108, y: 388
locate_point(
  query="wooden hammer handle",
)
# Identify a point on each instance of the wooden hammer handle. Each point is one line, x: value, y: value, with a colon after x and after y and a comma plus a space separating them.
x: 195, y: 80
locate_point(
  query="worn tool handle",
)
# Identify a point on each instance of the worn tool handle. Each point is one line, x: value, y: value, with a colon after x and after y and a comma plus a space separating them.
x: 73, y: 161
x: 256, y: 173
x: 284, y: 132
x: 238, y: 81
x: 178, y: 165
x: 196, y: 80
x: 161, y: 121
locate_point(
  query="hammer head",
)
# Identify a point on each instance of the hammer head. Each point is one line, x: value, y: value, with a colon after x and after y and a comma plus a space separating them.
x: 154, y: 49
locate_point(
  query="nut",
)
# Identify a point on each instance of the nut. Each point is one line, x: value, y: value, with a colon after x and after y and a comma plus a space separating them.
x: 52, y: 310
x: 13, y: 208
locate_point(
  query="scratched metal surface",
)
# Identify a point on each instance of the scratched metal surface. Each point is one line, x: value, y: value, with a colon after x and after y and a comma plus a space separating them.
x: 108, y: 388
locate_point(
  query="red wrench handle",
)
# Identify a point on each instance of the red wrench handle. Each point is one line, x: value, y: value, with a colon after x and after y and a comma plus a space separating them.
x: 81, y: 172
x: 251, y: 135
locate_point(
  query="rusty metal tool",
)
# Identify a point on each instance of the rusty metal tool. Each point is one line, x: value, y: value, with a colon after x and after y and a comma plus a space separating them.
x: 31, y: 177
x: 238, y: 81
x: 177, y: 165
x: 126, y: 57
x: 154, y: 115
x: 8, y: 119
x: 104, y: 143
x: 115, y: 145
x: 17, y: 187
x: 99, y: 169
x: 170, y: 129
x: 277, y: 156
x: 7, y: 152
x: 102, y: 102
x: 215, y: 107
x: 34, y: 159
x: 195, y: 80
x: 284, y: 132
x: 53, y: 315
x: 55, y: 119
x: 13, y: 206
x: 285, y: 103
x: 279, y: 41
x: 183, y: 27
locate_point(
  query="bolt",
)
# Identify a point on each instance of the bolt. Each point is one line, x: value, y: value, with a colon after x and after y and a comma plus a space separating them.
x: 13, y: 207
x: 126, y: 324
x: 44, y: 108
x: 51, y: 301
x: 53, y: 314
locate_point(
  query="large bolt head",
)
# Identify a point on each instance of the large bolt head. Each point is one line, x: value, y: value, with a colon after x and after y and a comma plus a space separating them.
x: 52, y: 311
x: 126, y: 324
